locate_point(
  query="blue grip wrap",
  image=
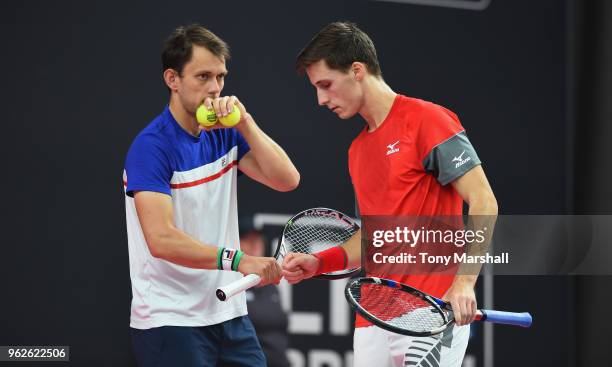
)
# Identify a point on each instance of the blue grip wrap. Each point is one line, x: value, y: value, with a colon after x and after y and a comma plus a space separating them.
x: 509, y: 318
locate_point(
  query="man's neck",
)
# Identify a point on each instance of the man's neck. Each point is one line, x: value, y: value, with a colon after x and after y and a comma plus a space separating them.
x: 184, y: 119
x: 378, y: 100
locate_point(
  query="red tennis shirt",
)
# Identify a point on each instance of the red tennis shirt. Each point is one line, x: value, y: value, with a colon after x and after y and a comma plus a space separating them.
x: 404, y: 167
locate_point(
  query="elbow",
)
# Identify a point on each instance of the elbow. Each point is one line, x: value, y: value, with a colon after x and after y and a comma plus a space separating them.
x: 295, y: 181
x: 490, y: 205
x: 155, y: 248
x: 290, y: 183
x: 484, y: 204
x: 157, y: 245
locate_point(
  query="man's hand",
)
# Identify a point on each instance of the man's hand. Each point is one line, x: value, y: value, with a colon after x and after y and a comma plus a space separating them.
x: 266, y: 267
x: 462, y: 298
x: 297, y: 267
x: 222, y: 107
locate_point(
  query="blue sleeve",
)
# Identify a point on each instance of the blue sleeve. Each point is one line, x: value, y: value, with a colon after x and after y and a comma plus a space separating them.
x: 148, y: 166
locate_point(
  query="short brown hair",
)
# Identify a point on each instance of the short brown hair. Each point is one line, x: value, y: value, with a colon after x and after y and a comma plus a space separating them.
x: 340, y: 44
x: 178, y: 48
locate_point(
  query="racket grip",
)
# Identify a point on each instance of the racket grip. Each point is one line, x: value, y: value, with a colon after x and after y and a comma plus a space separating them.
x: 508, y: 318
x: 246, y: 282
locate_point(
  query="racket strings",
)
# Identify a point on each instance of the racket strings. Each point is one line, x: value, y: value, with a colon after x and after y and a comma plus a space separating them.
x: 397, y: 308
x: 312, y: 234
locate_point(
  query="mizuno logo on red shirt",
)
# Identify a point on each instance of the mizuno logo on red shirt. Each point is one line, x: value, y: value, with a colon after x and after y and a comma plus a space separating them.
x: 392, y: 148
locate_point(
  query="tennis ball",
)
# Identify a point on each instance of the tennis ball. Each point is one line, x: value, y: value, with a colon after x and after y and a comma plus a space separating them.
x: 205, y: 116
x: 232, y: 119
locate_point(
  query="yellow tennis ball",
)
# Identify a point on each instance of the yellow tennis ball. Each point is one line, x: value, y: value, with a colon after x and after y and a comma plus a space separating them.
x: 205, y: 116
x: 232, y: 119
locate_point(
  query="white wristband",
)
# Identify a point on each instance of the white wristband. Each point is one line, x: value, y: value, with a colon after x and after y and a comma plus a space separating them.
x: 228, y: 257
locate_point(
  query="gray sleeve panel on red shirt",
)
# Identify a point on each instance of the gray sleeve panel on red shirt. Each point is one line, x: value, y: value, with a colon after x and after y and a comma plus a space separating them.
x: 451, y: 159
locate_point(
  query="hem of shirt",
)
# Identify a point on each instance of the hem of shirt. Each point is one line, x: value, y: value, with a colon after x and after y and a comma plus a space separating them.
x: 243, y: 152
x: 464, y: 169
x: 159, y: 321
x: 361, y: 321
x: 160, y: 189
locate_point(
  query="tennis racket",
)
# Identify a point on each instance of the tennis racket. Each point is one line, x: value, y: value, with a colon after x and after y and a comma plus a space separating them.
x: 308, y: 232
x: 405, y: 310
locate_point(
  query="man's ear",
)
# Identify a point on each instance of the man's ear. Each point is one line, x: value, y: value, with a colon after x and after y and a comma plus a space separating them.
x: 359, y: 70
x: 171, y: 79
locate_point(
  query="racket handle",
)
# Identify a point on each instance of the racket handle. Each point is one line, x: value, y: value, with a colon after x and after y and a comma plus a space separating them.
x: 242, y: 284
x: 508, y: 318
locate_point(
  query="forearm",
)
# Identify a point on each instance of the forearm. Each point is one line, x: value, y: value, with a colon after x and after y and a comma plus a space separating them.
x: 177, y: 247
x: 166, y: 241
x: 482, y: 215
x: 275, y: 164
x: 353, y: 250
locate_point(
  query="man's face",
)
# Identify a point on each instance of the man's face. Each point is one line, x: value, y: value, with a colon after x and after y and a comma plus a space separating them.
x: 203, y: 76
x: 336, y: 90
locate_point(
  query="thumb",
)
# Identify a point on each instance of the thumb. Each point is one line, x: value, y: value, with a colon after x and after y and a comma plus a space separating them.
x: 287, y: 258
x: 291, y: 261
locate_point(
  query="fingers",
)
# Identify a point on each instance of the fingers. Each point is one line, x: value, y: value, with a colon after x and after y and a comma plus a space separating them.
x: 472, y: 311
x: 232, y: 102
x: 291, y: 269
x: 464, y: 310
x: 219, y: 104
x: 208, y: 103
x: 223, y: 106
x: 271, y: 271
x: 293, y: 277
x: 292, y: 273
x: 297, y: 267
x: 288, y: 258
x: 462, y: 299
x: 243, y: 111
x: 298, y: 262
x: 291, y: 262
x: 457, y: 311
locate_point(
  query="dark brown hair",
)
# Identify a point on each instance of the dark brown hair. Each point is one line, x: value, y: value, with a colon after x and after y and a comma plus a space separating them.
x: 340, y: 44
x: 178, y: 48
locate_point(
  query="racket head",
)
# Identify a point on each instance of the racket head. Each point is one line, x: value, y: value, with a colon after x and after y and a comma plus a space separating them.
x: 315, y: 230
x: 397, y: 307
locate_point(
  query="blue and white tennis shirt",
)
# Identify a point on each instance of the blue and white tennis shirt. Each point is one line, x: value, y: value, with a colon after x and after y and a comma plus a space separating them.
x: 200, y: 175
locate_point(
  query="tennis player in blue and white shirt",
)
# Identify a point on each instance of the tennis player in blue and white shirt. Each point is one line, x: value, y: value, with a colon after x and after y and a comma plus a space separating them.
x: 181, y: 210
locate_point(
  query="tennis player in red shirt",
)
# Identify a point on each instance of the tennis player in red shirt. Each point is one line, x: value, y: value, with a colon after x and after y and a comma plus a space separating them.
x: 413, y: 158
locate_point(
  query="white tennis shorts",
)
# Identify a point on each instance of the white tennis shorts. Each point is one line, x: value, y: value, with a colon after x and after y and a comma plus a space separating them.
x: 374, y: 346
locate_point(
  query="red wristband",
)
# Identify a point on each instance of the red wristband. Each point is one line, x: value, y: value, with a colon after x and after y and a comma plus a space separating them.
x: 332, y: 259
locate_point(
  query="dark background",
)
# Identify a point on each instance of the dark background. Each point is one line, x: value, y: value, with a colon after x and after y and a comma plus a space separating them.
x: 530, y: 80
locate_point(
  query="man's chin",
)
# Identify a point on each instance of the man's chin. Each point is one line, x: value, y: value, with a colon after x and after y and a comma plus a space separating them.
x: 344, y: 116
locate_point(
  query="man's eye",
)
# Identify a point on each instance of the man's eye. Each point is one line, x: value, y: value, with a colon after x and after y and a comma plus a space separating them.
x: 203, y: 77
